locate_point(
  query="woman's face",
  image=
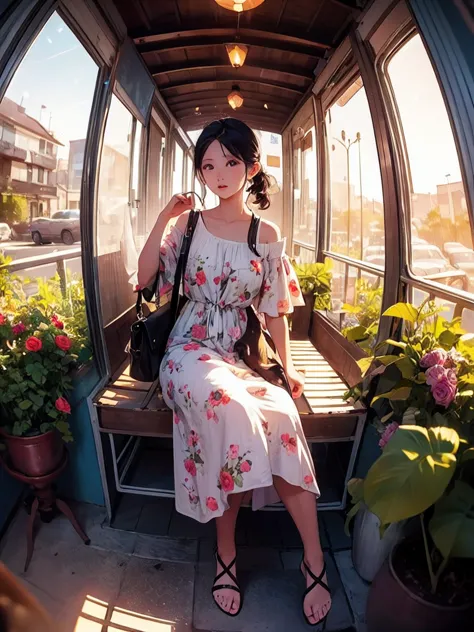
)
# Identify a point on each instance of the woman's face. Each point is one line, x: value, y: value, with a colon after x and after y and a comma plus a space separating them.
x: 223, y: 173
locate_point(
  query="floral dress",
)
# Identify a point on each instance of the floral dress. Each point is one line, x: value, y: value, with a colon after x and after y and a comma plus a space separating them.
x: 232, y: 430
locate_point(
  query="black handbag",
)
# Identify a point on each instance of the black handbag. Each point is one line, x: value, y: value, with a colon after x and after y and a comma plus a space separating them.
x: 256, y: 347
x: 149, y: 334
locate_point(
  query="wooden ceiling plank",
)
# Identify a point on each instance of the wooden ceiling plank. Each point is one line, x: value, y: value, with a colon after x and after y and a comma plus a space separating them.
x: 190, y: 85
x: 211, y: 95
x: 170, y: 69
x: 173, y: 39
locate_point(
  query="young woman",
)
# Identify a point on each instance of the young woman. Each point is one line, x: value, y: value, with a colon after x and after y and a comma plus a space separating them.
x: 233, y: 431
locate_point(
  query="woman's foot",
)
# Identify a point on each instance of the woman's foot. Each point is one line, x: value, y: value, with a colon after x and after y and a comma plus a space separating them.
x: 228, y: 598
x: 317, y: 602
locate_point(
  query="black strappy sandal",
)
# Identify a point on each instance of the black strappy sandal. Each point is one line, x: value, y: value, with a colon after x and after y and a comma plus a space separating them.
x: 215, y: 586
x: 316, y: 581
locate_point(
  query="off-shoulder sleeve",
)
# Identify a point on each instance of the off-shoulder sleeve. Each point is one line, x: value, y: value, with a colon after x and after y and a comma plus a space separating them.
x: 280, y: 292
x: 169, y: 253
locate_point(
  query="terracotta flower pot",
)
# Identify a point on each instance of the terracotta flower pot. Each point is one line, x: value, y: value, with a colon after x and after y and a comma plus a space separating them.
x: 301, y: 317
x: 392, y: 606
x: 37, y: 455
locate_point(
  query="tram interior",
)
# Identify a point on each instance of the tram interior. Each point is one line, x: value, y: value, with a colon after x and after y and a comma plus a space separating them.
x: 364, y: 130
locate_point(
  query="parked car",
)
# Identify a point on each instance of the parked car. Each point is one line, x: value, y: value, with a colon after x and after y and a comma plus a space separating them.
x: 61, y: 226
x: 463, y: 259
x: 5, y: 232
x: 428, y: 259
x: 450, y: 246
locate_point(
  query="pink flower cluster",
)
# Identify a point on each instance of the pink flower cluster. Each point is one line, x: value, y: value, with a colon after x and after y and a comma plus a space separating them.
x: 442, y: 379
x: 389, y: 431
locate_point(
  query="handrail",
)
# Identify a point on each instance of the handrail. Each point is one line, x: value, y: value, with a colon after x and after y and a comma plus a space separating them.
x: 356, y: 263
x: 41, y: 260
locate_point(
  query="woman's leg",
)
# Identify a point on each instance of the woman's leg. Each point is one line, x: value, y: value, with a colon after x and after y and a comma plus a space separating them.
x: 229, y: 600
x: 301, y: 505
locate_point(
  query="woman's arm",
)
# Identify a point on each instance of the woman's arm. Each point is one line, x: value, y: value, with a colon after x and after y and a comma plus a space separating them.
x: 278, y: 329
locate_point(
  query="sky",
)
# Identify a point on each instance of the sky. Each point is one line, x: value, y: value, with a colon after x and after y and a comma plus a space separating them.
x: 58, y: 72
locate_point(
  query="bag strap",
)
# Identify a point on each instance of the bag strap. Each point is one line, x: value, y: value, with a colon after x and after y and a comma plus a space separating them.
x: 253, y: 233
x: 180, y: 268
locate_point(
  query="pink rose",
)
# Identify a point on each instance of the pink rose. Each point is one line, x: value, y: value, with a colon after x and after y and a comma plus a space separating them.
x: 308, y: 479
x: 452, y: 377
x: 245, y: 467
x: 56, y: 322
x: 63, y: 343
x: 435, y: 373
x: 62, y: 405
x: 33, y: 344
x: 285, y: 438
x: 18, y: 329
x: 193, y: 438
x: 190, y: 467
x: 204, y: 357
x: 444, y: 392
x: 292, y: 446
x: 226, y: 481
x: 437, y: 356
x: 211, y: 503
x: 233, y: 451
x: 389, y: 431
x: 3, y: 320
x: 235, y: 332
x: 191, y: 346
x: 217, y: 280
x: 210, y: 414
x: 200, y: 277
x: 198, y: 331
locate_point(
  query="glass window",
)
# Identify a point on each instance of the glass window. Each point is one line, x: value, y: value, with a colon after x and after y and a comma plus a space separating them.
x: 189, y: 173
x: 439, y: 218
x: 48, y: 104
x: 357, y: 221
x: 178, y: 170
x: 305, y: 180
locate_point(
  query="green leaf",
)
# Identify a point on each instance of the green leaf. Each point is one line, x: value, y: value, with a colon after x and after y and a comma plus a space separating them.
x: 350, y: 514
x: 385, y: 418
x: 397, y: 394
x: 452, y: 525
x: 412, y: 473
x: 355, y: 487
x: 406, y: 311
x: 468, y: 455
x: 25, y: 404
x: 355, y: 333
x: 238, y: 480
x: 36, y: 399
x: 364, y: 365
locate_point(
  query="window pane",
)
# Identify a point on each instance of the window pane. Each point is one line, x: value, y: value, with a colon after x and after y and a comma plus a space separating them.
x: 47, y: 106
x: 178, y: 170
x: 357, y: 221
x: 441, y: 238
x: 305, y: 179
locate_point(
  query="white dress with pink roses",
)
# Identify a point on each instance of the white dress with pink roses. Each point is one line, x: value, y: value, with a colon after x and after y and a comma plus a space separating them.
x: 232, y: 430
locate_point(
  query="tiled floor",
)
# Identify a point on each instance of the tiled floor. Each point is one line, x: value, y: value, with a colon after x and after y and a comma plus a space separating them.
x: 165, y: 572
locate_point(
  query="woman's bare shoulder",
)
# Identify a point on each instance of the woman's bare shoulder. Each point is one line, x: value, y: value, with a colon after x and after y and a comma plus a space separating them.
x: 182, y: 221
x: 269, y: 232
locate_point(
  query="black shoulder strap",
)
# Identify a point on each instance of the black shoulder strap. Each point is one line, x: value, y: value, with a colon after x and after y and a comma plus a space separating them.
x: 253, y: 233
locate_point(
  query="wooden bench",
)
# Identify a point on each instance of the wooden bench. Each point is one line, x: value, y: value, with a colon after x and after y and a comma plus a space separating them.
x: 122, y: 413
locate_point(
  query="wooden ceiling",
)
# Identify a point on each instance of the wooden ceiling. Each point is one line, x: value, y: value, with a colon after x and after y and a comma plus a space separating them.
x: 183, y: 44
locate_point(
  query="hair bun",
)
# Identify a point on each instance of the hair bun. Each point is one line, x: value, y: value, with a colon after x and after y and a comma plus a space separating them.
x: 260, y: 184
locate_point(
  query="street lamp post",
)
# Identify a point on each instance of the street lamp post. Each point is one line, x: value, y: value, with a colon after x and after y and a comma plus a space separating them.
x: 347, y: 145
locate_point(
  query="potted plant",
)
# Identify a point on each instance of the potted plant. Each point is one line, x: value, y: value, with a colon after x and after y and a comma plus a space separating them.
x: 315, y: 282
x: 425, y: 473
x: 38, y: 356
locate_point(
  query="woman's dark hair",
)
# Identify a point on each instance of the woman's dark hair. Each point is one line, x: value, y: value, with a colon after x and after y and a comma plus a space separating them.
x: 241, y: 142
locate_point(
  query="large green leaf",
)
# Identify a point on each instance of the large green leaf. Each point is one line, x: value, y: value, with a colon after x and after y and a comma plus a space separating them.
x: 414, y: 470
x: 364, y: 364
x: 397, y: 394
x: 403, y: 310
x: 452, y: 525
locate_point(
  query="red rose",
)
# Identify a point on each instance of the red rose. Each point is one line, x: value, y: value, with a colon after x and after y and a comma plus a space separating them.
x: 33, y: 344
x: 211, y: 503
x: 204, y: 357
x: 62, y: 405
x: 226, y: 481
x: 18, y: 329
x: 217, y: 280
x: 63, y: 342
x: 200, y: 277
x: 190, y: 466
x: 198, y: 332
x: 56, y: 322
x: 245, y: 467
x: 3, y: 320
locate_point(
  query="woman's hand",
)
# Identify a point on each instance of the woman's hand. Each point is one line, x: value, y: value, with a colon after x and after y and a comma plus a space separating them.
x: 296, y: 381
x: 179, y: 204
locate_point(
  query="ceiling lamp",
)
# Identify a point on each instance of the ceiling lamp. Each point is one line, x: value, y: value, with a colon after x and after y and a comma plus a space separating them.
x: 237, y: 54
x: 239, y: 5
x: 235, y: 98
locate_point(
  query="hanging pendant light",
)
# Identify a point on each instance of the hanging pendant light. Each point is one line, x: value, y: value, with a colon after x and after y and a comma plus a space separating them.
x: 235, y: 98
x: 239, y: 5
x: 237, y: 54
